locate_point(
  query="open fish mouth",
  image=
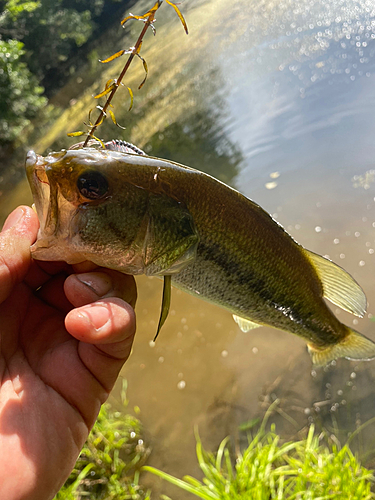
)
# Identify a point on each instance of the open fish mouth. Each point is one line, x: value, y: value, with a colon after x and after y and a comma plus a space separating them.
x: 40, y: 187
x: 46, y: 196
x: 58, y: 183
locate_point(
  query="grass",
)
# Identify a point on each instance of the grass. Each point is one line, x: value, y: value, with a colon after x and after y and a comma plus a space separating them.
x: 268, y: 469
x: 109, y: 464
x: 313, y: 468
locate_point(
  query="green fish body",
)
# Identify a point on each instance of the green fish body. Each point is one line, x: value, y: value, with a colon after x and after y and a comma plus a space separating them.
x: 144, y: 215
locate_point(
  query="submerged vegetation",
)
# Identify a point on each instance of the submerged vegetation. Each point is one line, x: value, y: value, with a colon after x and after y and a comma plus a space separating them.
x: 315, y: 467
x: 112, y: 85
x: 108, y: 466
x: 268, y: 469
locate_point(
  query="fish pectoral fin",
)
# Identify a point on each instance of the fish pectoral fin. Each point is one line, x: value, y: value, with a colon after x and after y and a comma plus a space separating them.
x: 165, y: 303
x: 354, y: 346
x: 245, y: 324
x: 338, y: 286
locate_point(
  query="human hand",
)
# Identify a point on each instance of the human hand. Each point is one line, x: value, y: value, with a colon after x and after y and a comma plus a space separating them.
x: 63, y: 340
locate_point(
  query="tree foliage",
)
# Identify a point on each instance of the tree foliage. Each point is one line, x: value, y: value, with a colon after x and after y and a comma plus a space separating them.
x: 20, y: 94
x: 49, y: 29
x: 38, y: 37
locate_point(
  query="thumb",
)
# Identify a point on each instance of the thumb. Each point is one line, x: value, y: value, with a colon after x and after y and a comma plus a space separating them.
x: 18, y: 233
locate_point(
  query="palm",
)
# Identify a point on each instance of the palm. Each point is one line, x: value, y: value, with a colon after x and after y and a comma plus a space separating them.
x: 53, y: 383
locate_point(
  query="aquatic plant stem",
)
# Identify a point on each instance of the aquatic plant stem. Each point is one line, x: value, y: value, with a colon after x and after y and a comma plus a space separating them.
x: 134, y: 52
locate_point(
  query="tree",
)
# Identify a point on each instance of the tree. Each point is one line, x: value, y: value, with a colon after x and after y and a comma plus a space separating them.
x: 20, y: 94
x: 48, y: 29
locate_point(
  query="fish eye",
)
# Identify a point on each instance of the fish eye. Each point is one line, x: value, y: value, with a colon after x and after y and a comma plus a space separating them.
x: 92, y: 185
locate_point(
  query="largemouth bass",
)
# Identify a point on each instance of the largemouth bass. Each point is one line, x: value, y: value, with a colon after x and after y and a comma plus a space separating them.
x: 143, y: 215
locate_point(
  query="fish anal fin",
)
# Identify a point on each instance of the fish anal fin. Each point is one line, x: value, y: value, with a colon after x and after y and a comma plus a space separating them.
x: 338, y: 286
x: 245, y: 324
x: 354, y: 346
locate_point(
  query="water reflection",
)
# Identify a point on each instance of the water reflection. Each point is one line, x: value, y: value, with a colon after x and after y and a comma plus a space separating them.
x: 304, y: 82
x: 199, y: 142
x: 278, y: 98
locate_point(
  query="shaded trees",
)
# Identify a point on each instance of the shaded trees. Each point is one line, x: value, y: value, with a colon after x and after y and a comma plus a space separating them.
x: 36, y: 38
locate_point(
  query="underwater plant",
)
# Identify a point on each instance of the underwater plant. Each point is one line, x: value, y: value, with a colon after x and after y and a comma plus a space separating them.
x: 308, y: 469
x: 112, y: 85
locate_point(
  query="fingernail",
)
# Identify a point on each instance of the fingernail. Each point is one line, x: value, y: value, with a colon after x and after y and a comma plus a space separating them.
x: 99, y: 283
x: 13, y: 219
x: 98, y: 316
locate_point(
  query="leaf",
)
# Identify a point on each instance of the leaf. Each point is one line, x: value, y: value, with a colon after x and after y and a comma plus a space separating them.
x: 109, y: 82
x: 131, y: 98
x: 105, y: 91
x: 112, y: 115
x: 90, y: 124
x: 153, y: 28
x: 179, y: 15
x: 249, y: 424
x: 149, y: 13
x: 199, y: 492
x: 114, y: 56
x: 76, y: 134
x: 131, y: 16
x: 146, y: 70
x: 97, y: 139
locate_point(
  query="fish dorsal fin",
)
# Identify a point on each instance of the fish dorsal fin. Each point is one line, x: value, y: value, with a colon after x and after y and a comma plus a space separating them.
x: 245, y: 324
x: 338, y: 286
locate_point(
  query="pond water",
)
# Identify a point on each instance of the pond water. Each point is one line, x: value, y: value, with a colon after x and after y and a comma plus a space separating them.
x: 276, y: 98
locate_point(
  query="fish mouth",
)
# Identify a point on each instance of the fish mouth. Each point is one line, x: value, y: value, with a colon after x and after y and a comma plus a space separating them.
x: 45, y: 194
x: 40, y: 187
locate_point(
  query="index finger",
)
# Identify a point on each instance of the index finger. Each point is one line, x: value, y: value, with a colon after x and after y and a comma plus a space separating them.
x: 18, y: 233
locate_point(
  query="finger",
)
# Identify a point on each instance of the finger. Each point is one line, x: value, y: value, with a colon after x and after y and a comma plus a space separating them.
x: 84, y: 267
x: 18, y: 233
x: 52, y: 293
x: 41, y: 271
x: 106, y: 330
x: 62, y: 292
x: 83, y: 288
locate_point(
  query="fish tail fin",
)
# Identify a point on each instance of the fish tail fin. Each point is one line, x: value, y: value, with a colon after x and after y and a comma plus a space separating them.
x: 354, y: 346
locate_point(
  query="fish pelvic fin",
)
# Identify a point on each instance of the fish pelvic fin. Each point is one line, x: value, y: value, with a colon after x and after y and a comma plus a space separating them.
x: 165, y: 304
x: 245, y: 324
x: 338, y: 286
x: 354, y: 346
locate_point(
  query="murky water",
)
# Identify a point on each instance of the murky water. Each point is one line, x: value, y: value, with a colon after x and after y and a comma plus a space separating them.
x: 278, y: 99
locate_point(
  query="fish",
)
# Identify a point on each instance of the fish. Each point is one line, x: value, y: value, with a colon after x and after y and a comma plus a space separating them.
x: 124, y: 210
